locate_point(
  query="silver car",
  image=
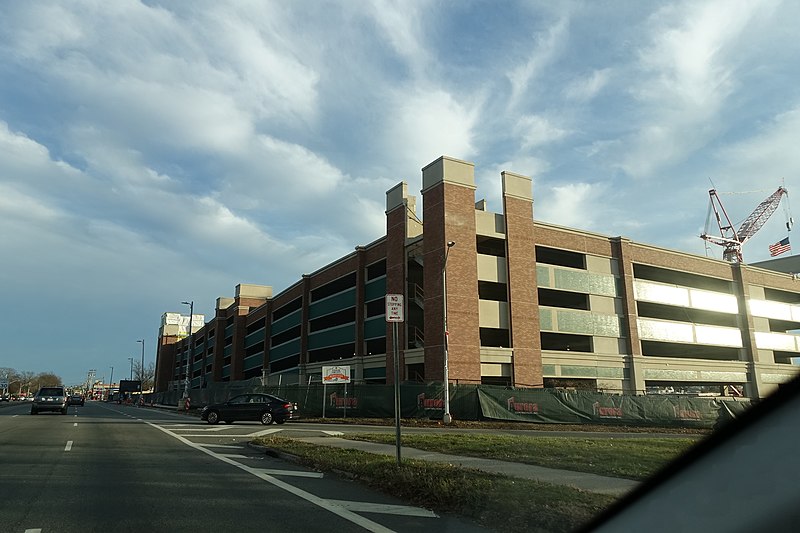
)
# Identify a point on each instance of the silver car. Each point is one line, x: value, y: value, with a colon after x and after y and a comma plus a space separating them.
x: 50, y: 399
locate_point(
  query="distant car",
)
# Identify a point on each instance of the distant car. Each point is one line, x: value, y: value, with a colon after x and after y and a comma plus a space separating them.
x: 75, y: 399
x: 264, y: 408
x: 5, y: 398
x: 50, y: 399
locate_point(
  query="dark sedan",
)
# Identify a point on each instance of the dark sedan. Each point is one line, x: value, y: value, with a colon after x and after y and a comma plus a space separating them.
x: 75, y: 399
x: 264, y: 408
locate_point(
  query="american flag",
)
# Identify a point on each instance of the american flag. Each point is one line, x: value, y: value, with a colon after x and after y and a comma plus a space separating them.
x: 780, y: 247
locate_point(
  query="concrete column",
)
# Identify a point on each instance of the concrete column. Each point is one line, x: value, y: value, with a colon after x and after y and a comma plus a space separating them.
x: 755, y: 387
x: 621, y: 251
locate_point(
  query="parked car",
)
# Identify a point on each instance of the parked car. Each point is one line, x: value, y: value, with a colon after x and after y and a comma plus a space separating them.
x: 75, y: 399
x: 50, y: 399
x: 264, y: 408
x: 4, y: 397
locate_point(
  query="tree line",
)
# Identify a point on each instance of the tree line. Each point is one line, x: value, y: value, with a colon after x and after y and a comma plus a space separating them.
x: 28, y: 382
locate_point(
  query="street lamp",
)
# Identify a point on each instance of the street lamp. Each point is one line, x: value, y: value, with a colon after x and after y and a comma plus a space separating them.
x: 189, y: 357
x: 446, y: 418
x: 141, y: 375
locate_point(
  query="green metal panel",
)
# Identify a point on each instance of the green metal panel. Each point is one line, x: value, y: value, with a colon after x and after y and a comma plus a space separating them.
x: 374, y: 373
x: 254, y: 338
x: 592, y: 371
x: 254, y: 361
x: 543, y: 276
x: 607, y: 325
x: 285, y: 350
x: 549, y: 370
x: 341, y: 301
x: 375, y: 289
x: 289, y: 321
x: 226, y: 371
x: 579, y: 371
x: 545, y: 319
x: 375, y: 327
x: 586, y: 282
x: 228, y: 350
x: 610, y: 372
x: 229, y: 330
x: 332, y: 337
x: 574, y: 322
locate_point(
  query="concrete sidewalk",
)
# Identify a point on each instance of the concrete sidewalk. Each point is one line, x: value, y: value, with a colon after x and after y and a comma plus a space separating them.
x: 580, y: 480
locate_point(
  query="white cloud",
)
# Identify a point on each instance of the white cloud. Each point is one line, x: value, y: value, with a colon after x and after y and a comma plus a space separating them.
x: 691, y: 70
x: 585, y: 88
x: 537, y: 130
x: 769, y: 154
x: 545, y: 49
x: 578, y: 205
x: 423, y: 124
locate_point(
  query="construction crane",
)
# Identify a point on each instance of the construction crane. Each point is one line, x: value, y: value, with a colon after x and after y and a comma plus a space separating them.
x: 732, y: 239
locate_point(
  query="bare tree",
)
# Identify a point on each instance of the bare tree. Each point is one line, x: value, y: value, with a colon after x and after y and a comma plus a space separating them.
x: 146, y: 376
x: 48, y: 379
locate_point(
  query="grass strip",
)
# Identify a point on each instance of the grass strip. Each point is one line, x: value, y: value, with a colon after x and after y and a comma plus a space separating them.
x: 632, y: 458
x: 498, y: 502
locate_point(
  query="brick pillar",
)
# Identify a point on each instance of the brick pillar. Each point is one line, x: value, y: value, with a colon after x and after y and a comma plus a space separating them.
x: 219, y: 344
x: 165, y: 362
x: 397, y: 200
x: 239, y: 332
x: 449, y: 215
x: 523, y: 297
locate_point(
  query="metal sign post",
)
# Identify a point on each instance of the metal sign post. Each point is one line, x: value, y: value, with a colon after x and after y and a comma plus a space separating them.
x: 394, y: 314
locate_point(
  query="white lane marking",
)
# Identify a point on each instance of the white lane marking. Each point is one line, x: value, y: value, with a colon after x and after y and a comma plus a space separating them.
x: 264, y: 432
x: 218, y: 428
x: 75, y: 425
x: 293, y: 473
x: 215, y: 435
x: 336, y: 509
x: 333, y: 433
x: 69, y: 446
x: 233, y: 455
x: 222, y: 446
x: 384, y: 508
x: 37, y: 530
x: 15, y: 416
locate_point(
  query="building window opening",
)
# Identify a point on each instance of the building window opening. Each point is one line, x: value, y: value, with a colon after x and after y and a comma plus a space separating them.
x: 563, y: 299
x: 554, y: 256
x: 491, y: 246
x: 564, y: 342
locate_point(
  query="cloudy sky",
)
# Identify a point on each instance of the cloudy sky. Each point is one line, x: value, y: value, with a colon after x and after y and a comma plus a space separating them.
x: 153, y: 152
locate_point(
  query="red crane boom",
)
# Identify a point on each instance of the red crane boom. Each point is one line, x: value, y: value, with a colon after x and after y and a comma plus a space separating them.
x: 732, y: 239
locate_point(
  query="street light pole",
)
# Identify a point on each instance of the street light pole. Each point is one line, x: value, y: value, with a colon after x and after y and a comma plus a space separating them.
x: 111, y: 386
x: 131, y: 361
x: 186, y: 382
x: 446, y: 418
x: 141, y: 376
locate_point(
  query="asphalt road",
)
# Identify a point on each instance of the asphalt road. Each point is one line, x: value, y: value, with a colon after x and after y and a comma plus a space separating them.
x: 111, y: 468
